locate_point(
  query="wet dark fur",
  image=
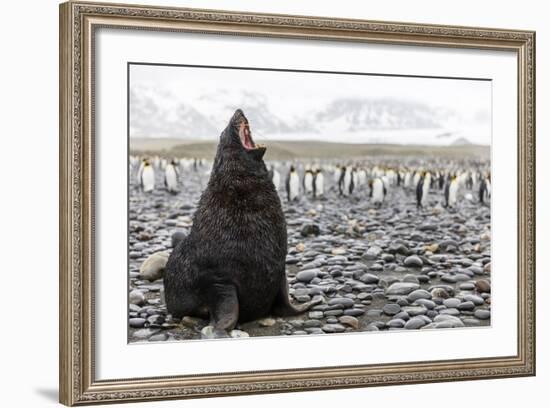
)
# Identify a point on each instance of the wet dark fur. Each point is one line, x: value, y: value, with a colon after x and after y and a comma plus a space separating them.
x: 232, y: 265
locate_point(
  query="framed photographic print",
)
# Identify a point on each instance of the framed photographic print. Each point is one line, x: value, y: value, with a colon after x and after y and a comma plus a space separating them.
x: 258, y: 203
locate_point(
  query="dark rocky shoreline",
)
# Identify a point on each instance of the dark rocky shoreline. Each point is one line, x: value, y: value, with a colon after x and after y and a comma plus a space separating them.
x: 388, y: 268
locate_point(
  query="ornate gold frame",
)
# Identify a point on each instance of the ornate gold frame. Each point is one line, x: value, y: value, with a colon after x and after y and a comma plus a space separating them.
x: 78, y: 21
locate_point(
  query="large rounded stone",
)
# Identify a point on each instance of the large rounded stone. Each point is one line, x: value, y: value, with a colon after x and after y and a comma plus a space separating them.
x: 402, y: 288
x: 419, y: 294
x: 307, y: 275
x: 153, y: 267
x: 333, y: 328
x: 136, y: 297
x: 413, y: 261
x: 137, y: 322
x: 369, y: 278
x: 415, y: 323
x: 483, y: 286
x: 342, y: 301
x: 482, y: 314
x: 310, y: 229
x: 373, y: 252
x: 391, y: 309
x: 350, y: 321
x: 177, y: 237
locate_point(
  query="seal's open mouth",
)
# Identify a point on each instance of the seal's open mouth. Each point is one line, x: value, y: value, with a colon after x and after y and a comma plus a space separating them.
x: 246, y: 136
x: 242, y: 128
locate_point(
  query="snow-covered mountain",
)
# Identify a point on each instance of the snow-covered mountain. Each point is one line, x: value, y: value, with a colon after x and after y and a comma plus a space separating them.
x: 380, y: 114
x: 156, y: 113
x: 461, y: 141
x: 160, y: 115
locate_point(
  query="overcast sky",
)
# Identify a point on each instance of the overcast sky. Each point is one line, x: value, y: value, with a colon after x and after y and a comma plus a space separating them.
x: 196, y: 104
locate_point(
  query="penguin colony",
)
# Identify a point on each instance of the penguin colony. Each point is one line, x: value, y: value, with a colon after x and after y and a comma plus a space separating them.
x: 143, y: 172
x: 439, y: 182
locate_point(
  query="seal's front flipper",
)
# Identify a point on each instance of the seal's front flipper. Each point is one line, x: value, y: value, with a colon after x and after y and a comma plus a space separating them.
x: 224, y: 307
x: 282, y: 306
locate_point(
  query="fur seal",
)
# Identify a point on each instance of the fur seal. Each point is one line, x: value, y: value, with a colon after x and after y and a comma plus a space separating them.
x: 231, y: 266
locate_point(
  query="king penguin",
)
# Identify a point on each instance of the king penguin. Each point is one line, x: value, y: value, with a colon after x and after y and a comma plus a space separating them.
x: 318, y: 183
x: 361, y: 177
x: 134, y: 161
x: 147, y: 177
x: 377, y: 191
x: 355, y: 178
x: 407, y: 180
x: 276, y: 178
x: 485, y: 188
x: 171, y: 177
x: 469, y: 181
x: 140, y: 170
x: 156, y: 162
x: 342, y: 173
x: 337, y: 173
x: 308, y: 181
x: 441, y: 180
x: 451, y: 192
x: 345, y: 184
x: 422, y: 189
x: 292, y: 184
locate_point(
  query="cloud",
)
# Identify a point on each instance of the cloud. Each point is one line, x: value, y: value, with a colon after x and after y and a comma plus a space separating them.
x: 482, y: 116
